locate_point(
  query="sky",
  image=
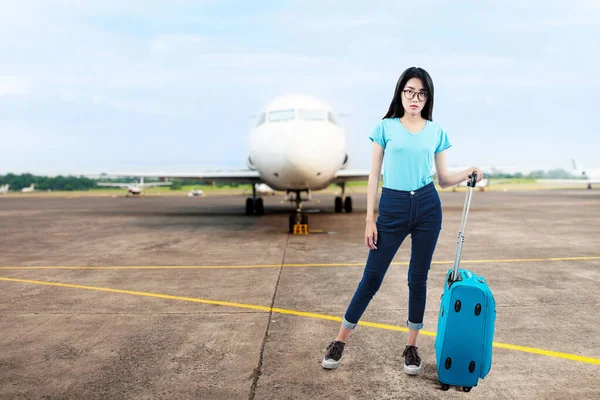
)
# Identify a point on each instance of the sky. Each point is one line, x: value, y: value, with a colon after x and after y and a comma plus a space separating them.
x: 108, y: 86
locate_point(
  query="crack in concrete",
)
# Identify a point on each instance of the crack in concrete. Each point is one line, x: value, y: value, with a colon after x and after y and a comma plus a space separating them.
x: 258, y: 370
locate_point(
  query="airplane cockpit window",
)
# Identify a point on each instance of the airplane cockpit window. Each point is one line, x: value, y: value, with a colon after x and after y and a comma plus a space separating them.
x: 311, y: 115
x: 282, y: 115
x: 261, y: 119
x: 331, y: 117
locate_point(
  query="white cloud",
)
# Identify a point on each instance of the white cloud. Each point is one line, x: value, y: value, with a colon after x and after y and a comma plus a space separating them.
x: 17, y: 137
x: 140, y: 106
x: 14, y: 85
x: 572, y: 14
x: 328, y: 23
x: 151, y: 60
x: 93, y: 6
x: 170, y: 43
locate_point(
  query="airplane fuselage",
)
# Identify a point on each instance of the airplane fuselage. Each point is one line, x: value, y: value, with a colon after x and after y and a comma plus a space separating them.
x: 297, y: 144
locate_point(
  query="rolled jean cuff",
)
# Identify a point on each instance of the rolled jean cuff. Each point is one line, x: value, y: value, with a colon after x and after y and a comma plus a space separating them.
x: 347, y: 325
x: 412, y: 325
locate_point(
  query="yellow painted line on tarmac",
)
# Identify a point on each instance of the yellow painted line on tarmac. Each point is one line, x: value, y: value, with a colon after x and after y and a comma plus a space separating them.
x: 136, y: 293
x: 142, y: 267
x: 533, y: 350
x: 490, y: 261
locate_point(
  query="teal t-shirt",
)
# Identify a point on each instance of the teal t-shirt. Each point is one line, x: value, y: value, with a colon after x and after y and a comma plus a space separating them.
x: 408, y: 161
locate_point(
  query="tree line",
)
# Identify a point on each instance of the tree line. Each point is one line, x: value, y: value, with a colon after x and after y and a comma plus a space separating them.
x: 70, y: 183
x: 539, y: 174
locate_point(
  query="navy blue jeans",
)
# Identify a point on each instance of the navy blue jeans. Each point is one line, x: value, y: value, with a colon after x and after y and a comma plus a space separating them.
x: 418, y: 213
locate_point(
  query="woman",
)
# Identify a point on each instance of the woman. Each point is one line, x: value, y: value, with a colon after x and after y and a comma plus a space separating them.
x: 409, y: 204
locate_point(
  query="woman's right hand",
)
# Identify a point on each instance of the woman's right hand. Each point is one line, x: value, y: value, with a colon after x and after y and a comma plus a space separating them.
x: 371, y: 235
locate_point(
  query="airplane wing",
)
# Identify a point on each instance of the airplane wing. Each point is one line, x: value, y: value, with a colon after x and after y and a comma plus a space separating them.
x: 151, y: 184
x: 348, y: 175
x: 235, y: 176
x: 113, y: 184
x: 574, y: 181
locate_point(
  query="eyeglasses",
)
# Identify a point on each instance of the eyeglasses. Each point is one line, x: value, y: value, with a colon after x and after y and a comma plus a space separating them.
x: 410, y: 94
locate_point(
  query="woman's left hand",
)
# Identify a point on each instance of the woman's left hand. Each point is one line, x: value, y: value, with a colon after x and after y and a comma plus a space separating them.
x: 479, y: 173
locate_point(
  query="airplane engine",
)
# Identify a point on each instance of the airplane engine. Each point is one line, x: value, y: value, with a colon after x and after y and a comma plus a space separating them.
x: 250, y: 164
x: 345, y: 162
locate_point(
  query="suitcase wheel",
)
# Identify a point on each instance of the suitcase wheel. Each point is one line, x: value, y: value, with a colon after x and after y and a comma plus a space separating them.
x: 457, y: 306
x: 446, y: 387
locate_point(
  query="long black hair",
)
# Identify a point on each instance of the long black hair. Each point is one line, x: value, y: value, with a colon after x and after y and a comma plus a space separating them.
x: 396, y: 110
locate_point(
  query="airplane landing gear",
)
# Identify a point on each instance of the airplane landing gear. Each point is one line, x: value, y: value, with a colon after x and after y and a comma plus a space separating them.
x: 348, y: 204
x: 254, y: 205
x: 298, y: 218
x: 259, y: 207
x: 340, y: 201
x: 249, y: 206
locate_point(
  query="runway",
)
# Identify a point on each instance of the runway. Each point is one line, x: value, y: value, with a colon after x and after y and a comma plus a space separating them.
x: 179, y: 297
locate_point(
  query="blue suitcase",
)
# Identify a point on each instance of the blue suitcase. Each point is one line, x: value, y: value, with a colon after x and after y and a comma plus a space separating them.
x: 467, y: 315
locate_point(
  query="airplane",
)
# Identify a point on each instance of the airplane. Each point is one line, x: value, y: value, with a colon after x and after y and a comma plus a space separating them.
x: 4, y: 189
x: 28, y: 189
x: 297, y: 145
x: 590, y: 176
x: 195, y: 193
x: 134, y: 188
x: 580, y: 175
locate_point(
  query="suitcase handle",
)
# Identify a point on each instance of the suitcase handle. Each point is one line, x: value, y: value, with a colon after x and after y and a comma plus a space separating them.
x: 463, y: 224
x: 473, y: 179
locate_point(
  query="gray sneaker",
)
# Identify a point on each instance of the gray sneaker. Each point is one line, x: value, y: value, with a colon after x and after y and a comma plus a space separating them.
x: 412, y: 362
x: 334, y: 355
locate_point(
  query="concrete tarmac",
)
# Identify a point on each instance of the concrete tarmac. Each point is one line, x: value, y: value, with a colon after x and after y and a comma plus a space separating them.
x: 178, y: 297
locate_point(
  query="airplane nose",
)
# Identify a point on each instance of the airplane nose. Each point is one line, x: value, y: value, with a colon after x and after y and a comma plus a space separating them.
x: 300, y: 155
x: 314, y: 153
x: 309, y: 162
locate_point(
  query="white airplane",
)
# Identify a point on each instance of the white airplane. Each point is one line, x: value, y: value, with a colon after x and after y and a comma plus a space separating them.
x: 589, y: 176
x: 580, y: 175
x: 195, y: 193
x: 134, y: 188
x: 28, y: 189
x: 298, y: 146
x: 4, y: 189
